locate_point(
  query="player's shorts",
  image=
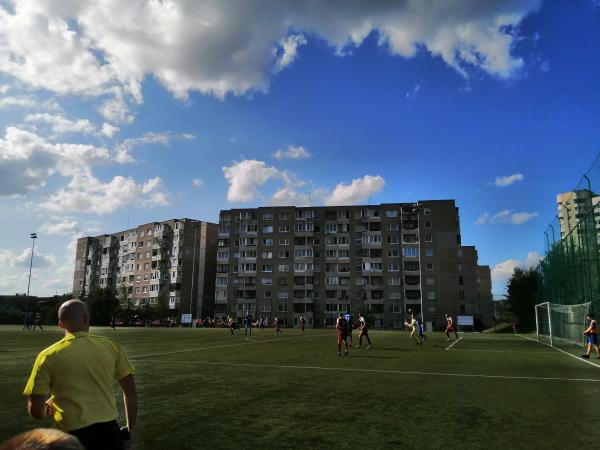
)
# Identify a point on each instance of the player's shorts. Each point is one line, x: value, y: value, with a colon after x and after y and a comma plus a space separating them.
x: 450, y: 329
x: 364, y: 332
x: 592, y: 339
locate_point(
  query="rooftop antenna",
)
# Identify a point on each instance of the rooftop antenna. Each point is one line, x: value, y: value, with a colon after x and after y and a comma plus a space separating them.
x: 309, y: 203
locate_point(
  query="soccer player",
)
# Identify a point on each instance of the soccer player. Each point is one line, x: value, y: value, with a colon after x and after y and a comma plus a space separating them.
x: 248, y: 321
x: 231, y: 324
x: 363, y: 331
x: 277, y: 328
x: 413, y: 326
x: 38, y: 322
x: 302, y: 322
x: 450, y: 328
x: 420, y: 329
x: 341, y: 328
x: 350, y: 322
x: 592, y: 336
x: 261, y: 324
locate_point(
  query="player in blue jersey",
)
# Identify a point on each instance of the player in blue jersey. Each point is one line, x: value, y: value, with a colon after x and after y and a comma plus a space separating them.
x: 350, y: 325
x: 248, y: 322
x: 420, y: 330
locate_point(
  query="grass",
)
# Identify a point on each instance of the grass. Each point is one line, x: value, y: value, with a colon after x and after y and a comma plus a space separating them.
x: 207, y: 389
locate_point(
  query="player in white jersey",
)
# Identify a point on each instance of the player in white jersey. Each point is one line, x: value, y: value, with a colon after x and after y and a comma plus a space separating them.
x: 363, y: 331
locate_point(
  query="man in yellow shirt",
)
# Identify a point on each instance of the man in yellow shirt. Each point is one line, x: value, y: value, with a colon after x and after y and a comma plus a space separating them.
x: 79, y: 373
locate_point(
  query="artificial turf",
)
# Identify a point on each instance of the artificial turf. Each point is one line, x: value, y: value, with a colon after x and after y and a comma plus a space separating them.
x: 203, y: 388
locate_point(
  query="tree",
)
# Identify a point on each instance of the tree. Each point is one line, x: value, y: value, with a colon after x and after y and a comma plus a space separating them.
x: 522, y: 296
x: 103, y: 305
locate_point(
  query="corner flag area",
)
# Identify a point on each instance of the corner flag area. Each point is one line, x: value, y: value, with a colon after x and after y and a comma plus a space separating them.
x: 204, y: 388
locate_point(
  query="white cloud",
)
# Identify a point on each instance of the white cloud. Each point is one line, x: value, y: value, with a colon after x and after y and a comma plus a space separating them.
x: 508, y: 180
x: 28, y: 102
x: 63, y: 125
x: 412, y: 94
x: 289, y: 48
x: 64, y: 226
x: 188, y: 136
x: 504, y: 270
x: 123, y: 151
x: 245, y: 177
x: 108, y: 130
x: 293, y: 152
x: 40, y: 260
x: 87, y: 194
x: 4, y: 88
x: 197, y: 183
x: 506, y: 216
x: 355, y: 192
x: 108, y: 47
x: 28, y: 160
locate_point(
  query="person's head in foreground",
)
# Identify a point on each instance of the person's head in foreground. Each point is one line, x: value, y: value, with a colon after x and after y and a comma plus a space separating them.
x: 73, y: 316
x: 43, y: 439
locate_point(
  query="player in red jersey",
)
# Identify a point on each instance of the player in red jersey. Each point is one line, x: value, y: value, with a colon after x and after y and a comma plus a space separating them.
x: 591, y: 334
x: 302, y: 322
x: 341, y: 328
x: 450, y: 328
x: 277, y: 328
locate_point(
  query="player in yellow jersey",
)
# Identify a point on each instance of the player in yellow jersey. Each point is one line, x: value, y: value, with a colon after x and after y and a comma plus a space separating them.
x: 414, y: 333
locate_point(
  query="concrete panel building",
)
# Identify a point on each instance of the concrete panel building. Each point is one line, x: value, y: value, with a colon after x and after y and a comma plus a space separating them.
x: 174, y: 260
x: 317, y: 261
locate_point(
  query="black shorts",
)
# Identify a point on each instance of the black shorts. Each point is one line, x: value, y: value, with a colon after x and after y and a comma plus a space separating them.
x: 100, y: 436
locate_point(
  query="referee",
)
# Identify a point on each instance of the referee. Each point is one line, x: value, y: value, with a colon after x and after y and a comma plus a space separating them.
x: 79, y: 373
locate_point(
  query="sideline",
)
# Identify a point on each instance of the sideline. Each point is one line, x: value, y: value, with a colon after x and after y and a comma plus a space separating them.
x: 454, y: 343
x: 226, y: 345
x: 562, y: 351
x: 381, y: 371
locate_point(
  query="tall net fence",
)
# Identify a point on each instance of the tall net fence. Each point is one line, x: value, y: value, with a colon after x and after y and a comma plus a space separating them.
x: 570, y: 272
x: 560, y: 324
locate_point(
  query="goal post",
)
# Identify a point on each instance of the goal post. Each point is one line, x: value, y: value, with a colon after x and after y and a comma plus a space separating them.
x: 561, y: 323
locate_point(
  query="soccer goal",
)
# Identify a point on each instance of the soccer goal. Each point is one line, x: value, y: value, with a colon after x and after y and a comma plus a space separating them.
x: 561, y: 323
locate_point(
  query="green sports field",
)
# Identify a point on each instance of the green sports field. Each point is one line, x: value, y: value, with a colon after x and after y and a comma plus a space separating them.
x: 208, y: 389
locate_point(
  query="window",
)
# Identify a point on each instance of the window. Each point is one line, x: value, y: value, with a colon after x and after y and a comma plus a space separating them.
x: 393, y: 226
x: 267, y: 216
x: 283, y: 295
x: 394, y: 281
x: 267, y: 242
x: 395, y: 253
x: 331, y: 228
x: 284, y: 242
x: 282, y: 308
x: 343, y: 253
x: 429, y: 252
x: 222, y: 255
x: 430, y: 281
x: 268, y: 229
x: 267, y: 268
x: 393, y: 240
x: 266, y: 281
x: 427, y: 211
x: 284, y: 216
x: 410, y: 251
x: 395, y: 295
x: 303, y: 253
x: 283, y: 268
x: 427, y: 224
x: 332, y: 281
x: 267, y: 255
x: 395, y: 267
x: 459, y: 253
x: 284, y: 228
x: 392, y: 213
x: 428, y: 238
x: 431, y: 296
x: 429, y: 266
x: 303, y: 267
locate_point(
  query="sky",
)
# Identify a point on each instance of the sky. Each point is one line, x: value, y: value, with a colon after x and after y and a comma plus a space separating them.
x: 114, y: 114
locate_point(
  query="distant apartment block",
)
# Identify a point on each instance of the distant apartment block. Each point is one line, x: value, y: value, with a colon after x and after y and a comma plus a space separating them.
x: 317, y: 261
x: 173, y: 260
x: 573, y: 206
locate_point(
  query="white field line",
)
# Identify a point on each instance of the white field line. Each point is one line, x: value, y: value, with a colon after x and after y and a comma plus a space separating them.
x: 501, y: 351
x: 224, y: 346
x: 562, y: 351
x: 381, y: 371
x: 453, y: 344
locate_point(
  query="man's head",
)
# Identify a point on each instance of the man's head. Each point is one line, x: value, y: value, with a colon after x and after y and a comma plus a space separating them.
x: 43, y: 439
x: 590, y: 316
x: 73, y: 315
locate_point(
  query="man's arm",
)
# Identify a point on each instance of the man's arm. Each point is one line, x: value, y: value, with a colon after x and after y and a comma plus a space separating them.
x: 127, y: 384
x: 36, y: 406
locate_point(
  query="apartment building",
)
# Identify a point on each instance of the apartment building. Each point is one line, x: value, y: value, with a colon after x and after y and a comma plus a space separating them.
x: 574, y: 207
x: 383, y: 260
x: 172, y: 260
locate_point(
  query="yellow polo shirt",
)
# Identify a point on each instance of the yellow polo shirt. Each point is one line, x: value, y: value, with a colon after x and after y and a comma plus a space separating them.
x: 80, y: 372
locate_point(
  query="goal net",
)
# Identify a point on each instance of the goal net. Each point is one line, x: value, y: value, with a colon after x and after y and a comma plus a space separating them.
x: 558, y: 324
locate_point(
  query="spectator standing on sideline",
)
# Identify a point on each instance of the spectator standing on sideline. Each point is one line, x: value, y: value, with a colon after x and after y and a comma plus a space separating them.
x: 79, y: 373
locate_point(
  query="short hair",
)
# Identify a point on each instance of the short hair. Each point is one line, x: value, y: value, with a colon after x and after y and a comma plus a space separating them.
x: 590, y: 315
x: 43, y: 439
x: 72, y: 310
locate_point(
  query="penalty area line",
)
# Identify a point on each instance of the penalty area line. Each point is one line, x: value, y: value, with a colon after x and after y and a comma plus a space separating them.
x: 380, y: 371
x: 562, y: 351
x: 453, y: 344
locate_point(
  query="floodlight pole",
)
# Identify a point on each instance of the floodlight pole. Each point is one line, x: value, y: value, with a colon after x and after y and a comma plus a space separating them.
x: 33, y: 237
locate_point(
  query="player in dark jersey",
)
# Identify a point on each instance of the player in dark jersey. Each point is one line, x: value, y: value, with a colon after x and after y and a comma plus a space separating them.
x: 450, y: 327
x: 248, y: 322
x: 591, y: 334
x: 420, y: 330
x: 341, y: 328
x: 350, y: 322
x: 277, y: 327
x: 261, y: 324
x: 302, y: 322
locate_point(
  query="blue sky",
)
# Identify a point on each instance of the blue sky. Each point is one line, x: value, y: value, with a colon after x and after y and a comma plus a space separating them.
x: 106, y: 120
